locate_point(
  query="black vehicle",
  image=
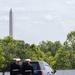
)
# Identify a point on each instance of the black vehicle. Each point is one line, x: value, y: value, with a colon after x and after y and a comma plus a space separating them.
x: 42, y: 68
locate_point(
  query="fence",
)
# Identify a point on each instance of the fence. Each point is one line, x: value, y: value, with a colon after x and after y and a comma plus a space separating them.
x: 65, y: 72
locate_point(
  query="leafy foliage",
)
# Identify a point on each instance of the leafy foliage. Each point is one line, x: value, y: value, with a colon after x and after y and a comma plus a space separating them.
x: 2, y: 59
x: 58, y: 56
x: 62, y: 59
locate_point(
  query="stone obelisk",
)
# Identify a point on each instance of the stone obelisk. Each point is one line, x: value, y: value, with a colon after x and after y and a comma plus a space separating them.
x: 10, y: 23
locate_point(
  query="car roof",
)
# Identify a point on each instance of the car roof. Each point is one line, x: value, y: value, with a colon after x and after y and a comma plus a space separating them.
x: 36, y: 61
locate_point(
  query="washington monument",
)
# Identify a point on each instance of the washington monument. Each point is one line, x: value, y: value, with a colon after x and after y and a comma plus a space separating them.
x: 10, y: 23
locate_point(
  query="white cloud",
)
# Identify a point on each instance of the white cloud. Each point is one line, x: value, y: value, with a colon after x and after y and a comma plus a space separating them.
x: 22, y: 18
x: 71, y: 1
x: 16, y: 1
x: 67, y: 26
x: 15, y: 9
x: 18, y: 9
x: 38, y: 22
x: 29, y: 29
x: 49, y: 17
x: 5, y: 9
x: 4, y: 18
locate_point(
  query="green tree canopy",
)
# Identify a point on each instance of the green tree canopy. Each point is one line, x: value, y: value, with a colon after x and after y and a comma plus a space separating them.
x: 2, y: 59
x: 50, y: 46
x: 34, y: 53
x: 69, y: 44
x: 12, y: 49
x: 62, y: 59
x: 49, y: 59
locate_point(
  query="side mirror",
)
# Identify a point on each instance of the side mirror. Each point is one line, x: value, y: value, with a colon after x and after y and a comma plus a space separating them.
x: 54, y: 71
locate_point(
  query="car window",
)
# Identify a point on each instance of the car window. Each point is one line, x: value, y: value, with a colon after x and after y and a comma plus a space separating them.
x: 42, y: 65
x: 50, y: 68
x: 47, y: 67
x: 35, y: 65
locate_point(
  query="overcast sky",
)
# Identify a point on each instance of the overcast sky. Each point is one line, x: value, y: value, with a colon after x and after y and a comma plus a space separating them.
x: 37, y: 20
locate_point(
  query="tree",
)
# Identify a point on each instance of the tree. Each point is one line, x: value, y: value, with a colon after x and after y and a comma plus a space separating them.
x: 12, y: 48
x: 62, y: 59
x: 49, y: 59
x: 2, y: 59
x: 70, y: 39
x: 34, y: 53
x: 50, y: 46
x: 69, y: 45
x: 43, y: 46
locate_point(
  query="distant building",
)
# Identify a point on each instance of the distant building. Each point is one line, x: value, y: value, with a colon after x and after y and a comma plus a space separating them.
x: 10, y: 23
